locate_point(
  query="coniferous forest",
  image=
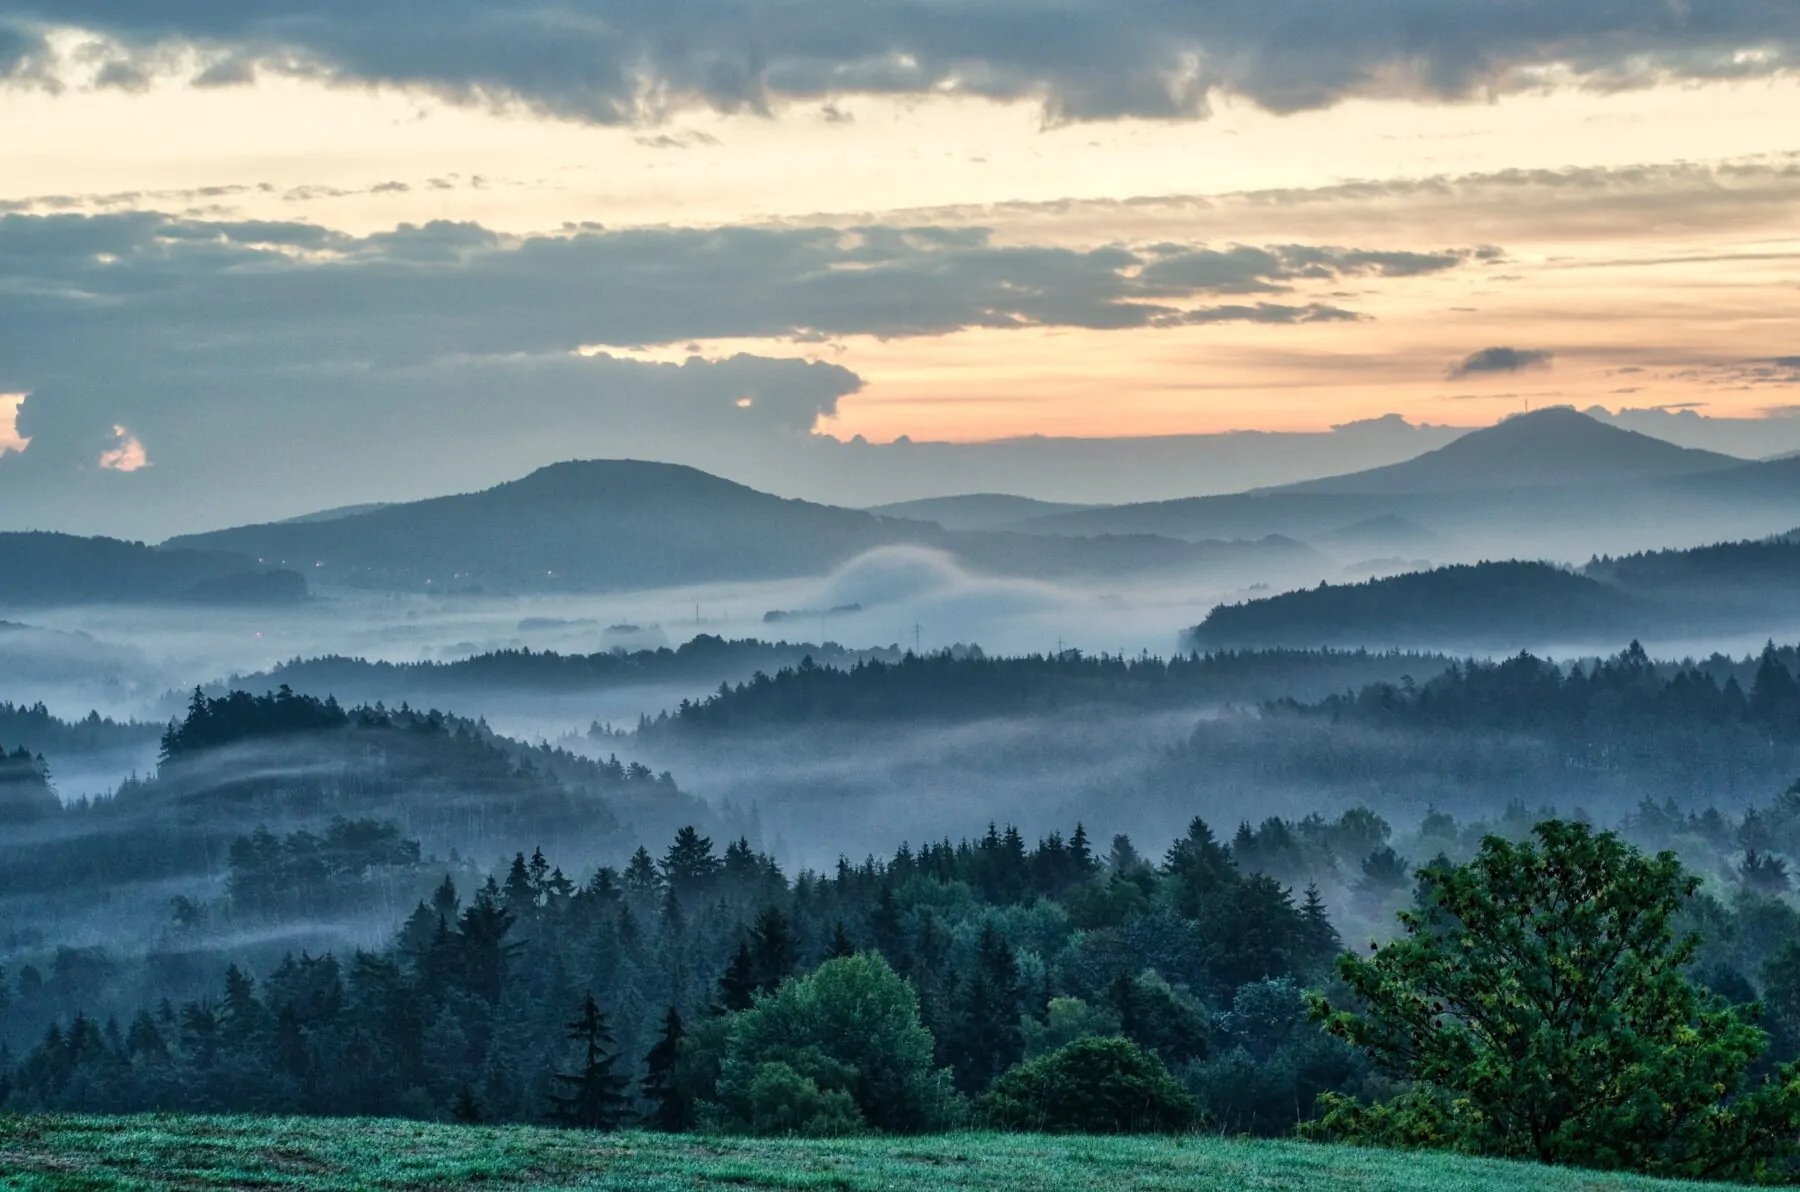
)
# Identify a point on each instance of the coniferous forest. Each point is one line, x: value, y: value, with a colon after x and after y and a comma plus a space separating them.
x: 1076, y: 979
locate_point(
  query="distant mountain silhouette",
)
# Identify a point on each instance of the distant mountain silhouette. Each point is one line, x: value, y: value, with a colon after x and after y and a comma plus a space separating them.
x: 975, y: 511
x: 340, y: 511
x: 1545, y: 448
x: 1555, y: 483
x: 1388, y: 531
x: 1770, y: 480
x: 1728, y: 587
x: 42, y: 569
x: 618, y: 525
x: 1487, y: 605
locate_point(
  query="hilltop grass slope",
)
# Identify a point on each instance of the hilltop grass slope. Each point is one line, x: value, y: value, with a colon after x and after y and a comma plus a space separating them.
x: 308, y: 1154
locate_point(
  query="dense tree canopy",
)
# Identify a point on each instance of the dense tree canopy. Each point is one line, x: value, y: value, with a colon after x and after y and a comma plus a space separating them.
x: 1537, y: 1005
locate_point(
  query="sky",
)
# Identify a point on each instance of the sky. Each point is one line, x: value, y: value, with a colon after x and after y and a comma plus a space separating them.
x: 261, y: 258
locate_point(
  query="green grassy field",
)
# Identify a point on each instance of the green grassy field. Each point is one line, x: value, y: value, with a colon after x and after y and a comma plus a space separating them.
x: 159, y: 1152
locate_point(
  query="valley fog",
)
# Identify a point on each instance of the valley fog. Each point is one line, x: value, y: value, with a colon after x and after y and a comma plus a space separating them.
x: 686, y: 704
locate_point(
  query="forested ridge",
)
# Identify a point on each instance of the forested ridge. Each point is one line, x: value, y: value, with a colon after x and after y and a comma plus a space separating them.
x: 959, y: 685
x: 1602, y: 732
x: 700, y: 657
x: 34, y: 727
x: 40, y: 569
x: 1470, y: 605
x: 1426, y: 689
x: 1596, y: 732
x: 293, y: 762
x: 1729, y: 586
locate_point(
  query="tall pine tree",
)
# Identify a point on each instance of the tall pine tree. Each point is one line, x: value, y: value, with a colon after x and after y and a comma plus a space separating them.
x: 595, y: 1099
x: 670, y: 1111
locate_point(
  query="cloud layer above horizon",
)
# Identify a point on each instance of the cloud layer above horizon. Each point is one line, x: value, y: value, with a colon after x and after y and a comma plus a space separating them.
x: 262, y: 257
x: 627, y: 61
x: 220, y: 347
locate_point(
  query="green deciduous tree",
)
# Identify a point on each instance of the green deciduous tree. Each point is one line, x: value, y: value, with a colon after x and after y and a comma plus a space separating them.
x: 1536, y: 1004
x: 849, y: 1027
x: 1090, y: 1086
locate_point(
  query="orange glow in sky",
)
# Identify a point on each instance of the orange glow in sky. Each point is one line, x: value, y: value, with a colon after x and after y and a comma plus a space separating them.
x: 10, y: 438
x: 1647, y: 239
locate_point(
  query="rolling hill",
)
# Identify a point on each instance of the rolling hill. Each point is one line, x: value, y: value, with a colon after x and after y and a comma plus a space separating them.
x: 618, y: 525
x: 42, y: 569
x: 1728, y: 587
x: 975, y: 511
x: 1386, y: 532
x: 1768, y: 480
x: 1489, y: 605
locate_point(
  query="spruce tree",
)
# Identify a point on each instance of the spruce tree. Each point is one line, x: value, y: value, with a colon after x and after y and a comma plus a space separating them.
x: 772, y: 949
x: 466, y: 1110
x: 689, y: 866
x: 1081, y: 853
x: 595, y: 1099
x: 841, y: 943
x: 445, y: 900
x: 520, y: 896
x: 1322, y: 942
x: 671, y: 1112
x: 990, y: 1039
x: 737, y: 988
x: 674, y: 919
x: 641, y: 877
x: 886, y: 925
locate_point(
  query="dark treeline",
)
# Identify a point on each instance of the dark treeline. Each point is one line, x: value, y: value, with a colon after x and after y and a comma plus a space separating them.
x: 1712, y: 571
x: 26, y: 792
x: 1010, y: 949
x: 42, y: 569
x: 698, y: 988
x: 1602, y: 733
x: 704, y: 658
x: 957, y: 685
x: 32, y: 726
x: 1530, y: 693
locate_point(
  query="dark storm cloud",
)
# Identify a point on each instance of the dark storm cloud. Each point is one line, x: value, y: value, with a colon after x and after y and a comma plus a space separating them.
x: 617, y: 61
x: 1499, y: 360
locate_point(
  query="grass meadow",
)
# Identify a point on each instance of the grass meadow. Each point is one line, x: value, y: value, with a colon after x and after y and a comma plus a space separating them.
x: 319, y: 1154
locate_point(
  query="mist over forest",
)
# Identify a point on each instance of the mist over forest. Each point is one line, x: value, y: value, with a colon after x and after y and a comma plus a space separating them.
x: 811, y: 595
x: 415, y: 778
